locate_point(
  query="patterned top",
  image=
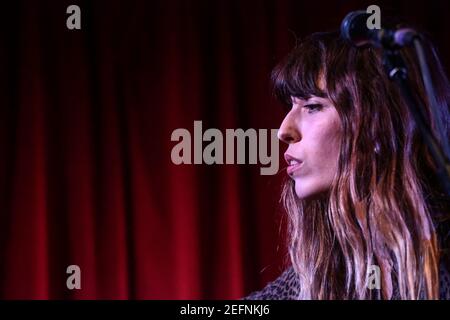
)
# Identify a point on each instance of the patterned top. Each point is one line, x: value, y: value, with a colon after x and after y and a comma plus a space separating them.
x: 287, y: 287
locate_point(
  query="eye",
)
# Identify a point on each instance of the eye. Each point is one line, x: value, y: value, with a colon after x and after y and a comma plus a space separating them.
x: 313, y: 107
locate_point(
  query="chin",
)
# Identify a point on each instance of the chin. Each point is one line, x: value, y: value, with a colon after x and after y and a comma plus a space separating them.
x: 302, y: 191
x: 305, y: 191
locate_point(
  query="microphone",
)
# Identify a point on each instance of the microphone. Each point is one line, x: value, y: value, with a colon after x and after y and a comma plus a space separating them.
x: 354, y: 29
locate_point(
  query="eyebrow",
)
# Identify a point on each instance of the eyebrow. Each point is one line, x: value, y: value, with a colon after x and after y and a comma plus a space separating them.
x: 306, y: 100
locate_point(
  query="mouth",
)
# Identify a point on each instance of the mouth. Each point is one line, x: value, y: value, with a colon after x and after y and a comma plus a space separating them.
x: 294, y: 164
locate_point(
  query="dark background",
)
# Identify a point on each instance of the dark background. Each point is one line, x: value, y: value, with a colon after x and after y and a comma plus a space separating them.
x: 85, y: 123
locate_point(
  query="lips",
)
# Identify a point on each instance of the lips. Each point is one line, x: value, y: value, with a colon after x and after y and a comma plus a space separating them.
x: 294, y: 164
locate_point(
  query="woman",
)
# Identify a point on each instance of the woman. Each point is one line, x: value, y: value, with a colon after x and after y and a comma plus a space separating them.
x: 362, y: 194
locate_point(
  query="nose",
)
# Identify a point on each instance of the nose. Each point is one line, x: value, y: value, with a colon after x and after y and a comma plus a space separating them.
x: 288, y: 132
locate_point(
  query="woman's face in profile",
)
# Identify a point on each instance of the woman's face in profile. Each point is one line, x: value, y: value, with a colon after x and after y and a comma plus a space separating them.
x: 312, y: 130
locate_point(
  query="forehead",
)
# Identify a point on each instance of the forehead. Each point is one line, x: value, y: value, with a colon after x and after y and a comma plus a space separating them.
x: 321, y: 83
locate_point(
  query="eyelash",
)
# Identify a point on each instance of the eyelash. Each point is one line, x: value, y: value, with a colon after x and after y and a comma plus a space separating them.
x: 312, y: 107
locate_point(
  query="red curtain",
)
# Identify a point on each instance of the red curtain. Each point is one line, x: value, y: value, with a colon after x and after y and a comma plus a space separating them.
x: 86, y: 176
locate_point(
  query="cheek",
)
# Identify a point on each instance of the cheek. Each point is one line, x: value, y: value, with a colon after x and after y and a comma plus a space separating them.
x: 321, y: 146
x: 326, y: 147
x: 322, y: 166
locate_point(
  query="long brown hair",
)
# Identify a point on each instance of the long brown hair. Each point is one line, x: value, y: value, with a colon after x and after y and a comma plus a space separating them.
x: 385, y: 202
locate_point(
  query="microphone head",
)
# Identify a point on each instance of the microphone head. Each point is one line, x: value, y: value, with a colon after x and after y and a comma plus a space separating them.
x: 354, y: 28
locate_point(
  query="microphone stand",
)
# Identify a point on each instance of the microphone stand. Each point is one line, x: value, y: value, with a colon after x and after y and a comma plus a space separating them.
x: 396, y: 69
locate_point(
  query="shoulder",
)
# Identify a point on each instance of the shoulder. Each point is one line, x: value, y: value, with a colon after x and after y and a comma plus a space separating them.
x: 443, y: 228
x: 285, y: 287
x: 444, y: 282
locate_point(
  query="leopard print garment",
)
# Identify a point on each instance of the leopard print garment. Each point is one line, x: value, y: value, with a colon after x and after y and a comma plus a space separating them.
x: 286, y: 287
